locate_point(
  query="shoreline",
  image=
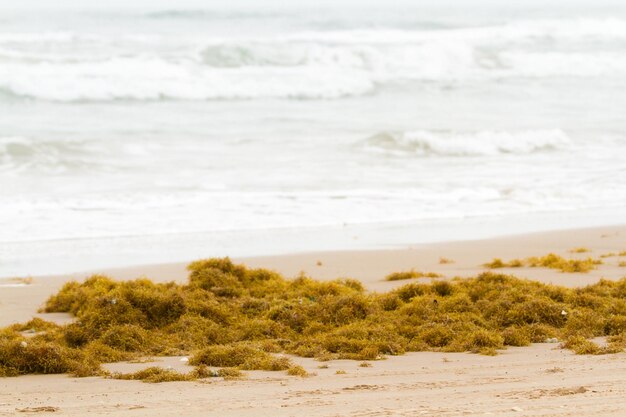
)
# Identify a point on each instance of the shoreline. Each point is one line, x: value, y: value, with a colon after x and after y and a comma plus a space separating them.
x: 55, y: 257
x: 539, y: 380
x: 18, y: 303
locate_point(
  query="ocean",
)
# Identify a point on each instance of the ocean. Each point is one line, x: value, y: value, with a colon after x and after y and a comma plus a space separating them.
x: 158, y: 131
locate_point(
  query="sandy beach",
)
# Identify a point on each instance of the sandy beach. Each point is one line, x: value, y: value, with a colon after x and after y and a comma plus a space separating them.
x: 320, y: 208
x: 540, y: 380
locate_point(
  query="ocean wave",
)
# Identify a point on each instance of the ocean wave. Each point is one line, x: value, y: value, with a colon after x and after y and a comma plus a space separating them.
x: 574, y: 64
x: 314, y: 73
x: 22, y: 153
x: 37, y: 37
x: 313, y: 65
x: 482, y: 143
x: 518, y: 31
x: 7, y: 94
x: 146, y: 78
x: 204, y: 14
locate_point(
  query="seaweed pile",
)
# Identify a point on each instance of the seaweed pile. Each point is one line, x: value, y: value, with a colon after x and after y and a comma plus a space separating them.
x: 229, y: 318
x: 551, y: 261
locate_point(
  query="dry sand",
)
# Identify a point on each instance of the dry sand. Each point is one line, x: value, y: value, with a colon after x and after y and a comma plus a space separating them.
x: 540, y: 380
x: 533, y: 381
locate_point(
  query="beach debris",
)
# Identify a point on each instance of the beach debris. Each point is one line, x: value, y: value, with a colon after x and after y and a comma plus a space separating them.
x: 22, y: 280
x: 361, y: 387
x: 499, y: 263
x: 155, y: 374
x: 114, y: 301
x: 558, y: 392
x: 563, y: 313
x: 239, y: 318
x: 569, y: 391
x: 185, y: 359
x: 580, y: 250
x: 550, y: 260
x: 518, y: 409
x: 397, y: 276
x: 45, y: 409
x: 230, y: 373
x: 297, y: 370
x: 444, y: 261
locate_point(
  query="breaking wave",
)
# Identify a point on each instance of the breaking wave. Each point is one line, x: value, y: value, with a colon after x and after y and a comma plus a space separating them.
x: 483, y: 143
x: 311, y: 65
x: 21, y: 153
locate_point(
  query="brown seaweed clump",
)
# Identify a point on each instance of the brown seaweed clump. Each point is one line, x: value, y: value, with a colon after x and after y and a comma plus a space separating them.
x: 412, y: 274
x: 230, y: 319
x: 581, y: 249
x: 551, y: 261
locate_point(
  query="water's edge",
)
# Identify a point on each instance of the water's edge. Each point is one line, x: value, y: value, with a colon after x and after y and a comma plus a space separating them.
x: 68, y: 256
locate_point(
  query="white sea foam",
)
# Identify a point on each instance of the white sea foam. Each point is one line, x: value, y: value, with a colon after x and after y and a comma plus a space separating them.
x: 20, y: 154
x: 150, y: 78
x: 123, y: 123
x: 483, y: 143
x: 324, y: 64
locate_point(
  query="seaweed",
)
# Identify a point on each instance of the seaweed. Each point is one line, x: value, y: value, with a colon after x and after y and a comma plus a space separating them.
x: 580, y: 250
x: 155, y: 374
x: 234, y: 318
x: 412, y: 274
x: 297, y: 370
x: 551, y: 261
x: 242, y: 356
